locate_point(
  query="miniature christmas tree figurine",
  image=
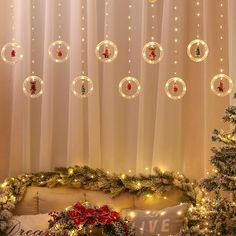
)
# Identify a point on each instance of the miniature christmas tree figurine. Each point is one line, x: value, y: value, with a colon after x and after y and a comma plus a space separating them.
x: 198, y: 52
x: 216, y: 214
x: 33, y: 87
x: 221, y: 86
x: 83, y: 89
x: 129, y: 86
x: 13, y: 53
x: 152, y: 53
x: 59, y: 52
x: 107, y: 52
x: 175, y: 88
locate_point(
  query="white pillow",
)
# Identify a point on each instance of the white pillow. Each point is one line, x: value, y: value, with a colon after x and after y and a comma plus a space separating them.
x: 165, y: 222
x: 34, y: 225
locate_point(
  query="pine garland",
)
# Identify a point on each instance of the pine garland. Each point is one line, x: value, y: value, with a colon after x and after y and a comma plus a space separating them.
x: 88, y: 178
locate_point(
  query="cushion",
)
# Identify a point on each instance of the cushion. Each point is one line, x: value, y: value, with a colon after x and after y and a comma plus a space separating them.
x: 28, y: 225
x: 43, y: 200
x: 165, y: 222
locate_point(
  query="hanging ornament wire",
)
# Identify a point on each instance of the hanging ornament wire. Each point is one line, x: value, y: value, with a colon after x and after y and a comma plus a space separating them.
x: 33, y: 85
x: 82, y: 86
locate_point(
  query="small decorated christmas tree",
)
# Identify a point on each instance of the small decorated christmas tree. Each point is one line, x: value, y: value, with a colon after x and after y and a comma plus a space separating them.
x: 215, y: 211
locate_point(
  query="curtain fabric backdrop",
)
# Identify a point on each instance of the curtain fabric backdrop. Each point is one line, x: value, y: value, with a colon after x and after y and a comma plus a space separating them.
x: 106, y: 130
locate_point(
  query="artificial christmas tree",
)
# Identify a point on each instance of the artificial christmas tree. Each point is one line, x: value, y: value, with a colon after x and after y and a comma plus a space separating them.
x: 215, y: 210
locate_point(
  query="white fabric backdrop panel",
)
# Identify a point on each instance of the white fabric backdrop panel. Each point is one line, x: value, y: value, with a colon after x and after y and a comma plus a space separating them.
x: 106, y: 130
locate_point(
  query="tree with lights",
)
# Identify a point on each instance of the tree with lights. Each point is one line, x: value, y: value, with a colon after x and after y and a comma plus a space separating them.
x: 215, y: 211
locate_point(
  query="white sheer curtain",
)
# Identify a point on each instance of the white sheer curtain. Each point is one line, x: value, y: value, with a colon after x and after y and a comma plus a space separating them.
x: 107, y: 130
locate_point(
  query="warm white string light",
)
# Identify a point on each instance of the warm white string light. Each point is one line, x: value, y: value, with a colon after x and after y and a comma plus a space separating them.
x: 33, y: 85
x: 197, y: 49
x: 221, y: 84
x: 152, y: 51
x: 59, y: 50
x: 82, y: 86
x: 106, y: 51
x: 175, y: 87
x: 129, y: 87
x: 12, y: 52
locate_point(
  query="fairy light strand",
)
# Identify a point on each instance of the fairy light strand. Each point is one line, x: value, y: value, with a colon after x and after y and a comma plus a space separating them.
x: 106, y: 18
x: 59, y: 14
x: 198, y: 14
x: 221, y: 36
x: 176, y: 29
x: 152, y: 5
x: 129, y: 36
x: 33, y: 18
x: 83, y: 41
x: 12, y: 8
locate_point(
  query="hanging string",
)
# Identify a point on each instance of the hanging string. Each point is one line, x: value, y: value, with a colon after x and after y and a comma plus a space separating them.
x: 129, y: 36
x: 83, y: 35
x: 12, y: 7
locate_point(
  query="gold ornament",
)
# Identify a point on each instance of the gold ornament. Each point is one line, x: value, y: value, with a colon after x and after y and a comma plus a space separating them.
x: 82, y: 86
x: 129, y: 87
x: 106, y: 51
x: 197, y: 50
x: 218, y: 86
x: 59, y: 51
x: 152, y: 52
x: 175, y: 88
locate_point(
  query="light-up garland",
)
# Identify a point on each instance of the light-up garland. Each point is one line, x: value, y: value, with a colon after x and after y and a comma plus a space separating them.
x: 106, y: 51
x: 33, y: 85
x: 197, y: 49
x: 152, y: 51
x: 59, y: 50
x: 12, y: 52
x: 82, y: 86
x: 221, y: 84
x: 175, y: 87
x: 129, y: 87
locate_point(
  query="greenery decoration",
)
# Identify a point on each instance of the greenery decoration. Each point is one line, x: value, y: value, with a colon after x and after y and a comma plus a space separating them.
x: 84, y: 177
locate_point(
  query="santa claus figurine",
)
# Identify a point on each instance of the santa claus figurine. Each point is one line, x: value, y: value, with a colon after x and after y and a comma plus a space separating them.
x: 221, y: 86
x: 152, y: 53
x: 106, y: 53
x: 33, y: 87
x: 59, y: 52
x: 175, y: 88
x: 13, y: 53
x: 129, y: 86
x: 197, y: 52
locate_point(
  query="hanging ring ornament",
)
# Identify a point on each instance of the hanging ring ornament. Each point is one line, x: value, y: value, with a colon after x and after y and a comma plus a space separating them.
x: 219, y: 87
x: 12, y: 53
x: 197, y: 50
x: 33, y: 86
x: 152, y: 52
x: 175, y: 88
x: 106, y: 51
x: 59, y: 51
x: 82, y: 86
x: 129, y: 87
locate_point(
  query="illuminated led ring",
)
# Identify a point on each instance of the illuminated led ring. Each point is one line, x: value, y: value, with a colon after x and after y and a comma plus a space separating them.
x: 115, y: 51
x: 127, y: 79
x: 52, y: 47
x: 219, y: 76
x: 25, y: 86
x: 16, y: 59
x: 199, y: 42
x: 145, y: 57
x: 169, y: 94
x: 82, y: 78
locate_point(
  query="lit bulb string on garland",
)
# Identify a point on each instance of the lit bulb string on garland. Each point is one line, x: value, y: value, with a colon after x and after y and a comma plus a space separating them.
x: 197, y: 49
x: 175, y: 87
x: 12, y: 52
x: 59, y: 50
x: 82, y: 86
x: 152, y: 51
x: 221, y: 84
x: 33, y: 84
x: 129, y: 86
x: 106, y: 51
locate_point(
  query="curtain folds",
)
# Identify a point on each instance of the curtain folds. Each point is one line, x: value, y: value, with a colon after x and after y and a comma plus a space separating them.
x: 106, y: 130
